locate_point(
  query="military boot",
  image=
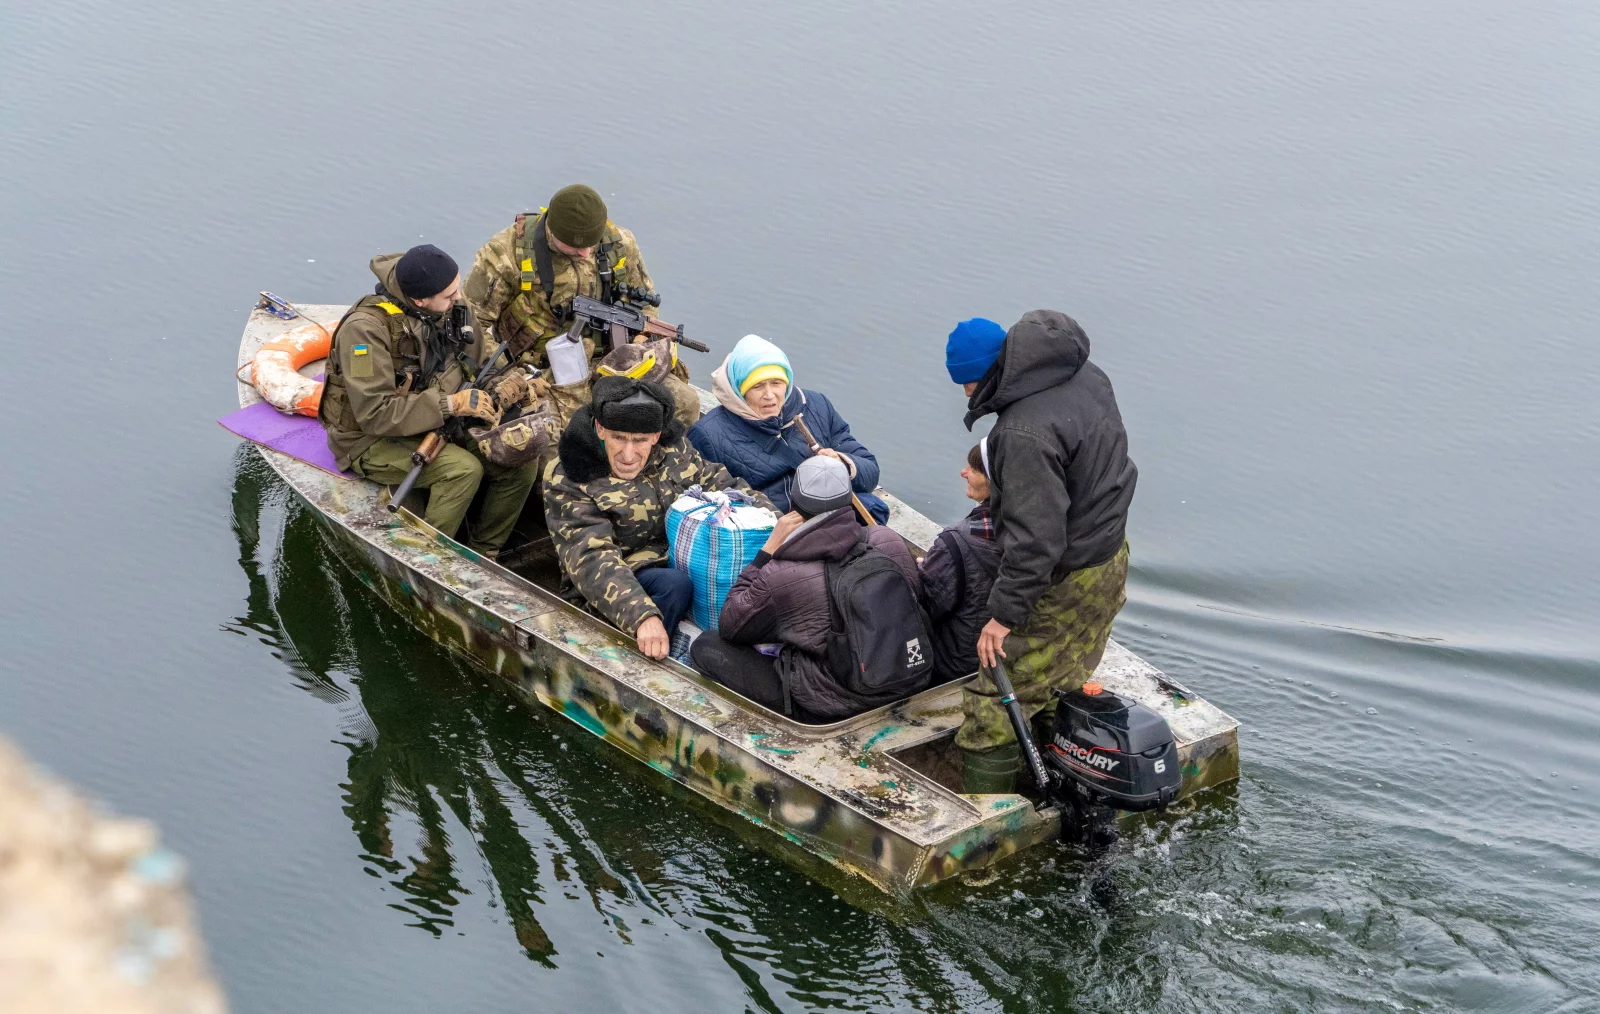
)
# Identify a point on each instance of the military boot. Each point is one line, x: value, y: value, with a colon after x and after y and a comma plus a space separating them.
x: 991, y: 770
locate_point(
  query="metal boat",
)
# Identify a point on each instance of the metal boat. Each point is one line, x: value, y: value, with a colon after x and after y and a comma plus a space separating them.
x: 876, y: 796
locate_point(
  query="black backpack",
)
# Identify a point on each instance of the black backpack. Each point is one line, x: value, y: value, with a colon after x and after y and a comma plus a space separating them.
x: 878, y: 641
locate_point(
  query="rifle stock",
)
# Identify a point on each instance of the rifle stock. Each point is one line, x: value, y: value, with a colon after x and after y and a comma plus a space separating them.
x: 426, y: 451
x: 1019, y: 723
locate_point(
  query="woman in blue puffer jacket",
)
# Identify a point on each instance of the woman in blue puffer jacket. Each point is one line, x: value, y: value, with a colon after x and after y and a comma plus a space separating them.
x: 752, y: 430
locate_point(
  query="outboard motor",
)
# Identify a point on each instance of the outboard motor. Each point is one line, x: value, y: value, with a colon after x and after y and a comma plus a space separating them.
x: 1109, y: 754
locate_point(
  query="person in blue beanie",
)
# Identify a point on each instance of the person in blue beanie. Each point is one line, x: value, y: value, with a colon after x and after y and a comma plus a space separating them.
x: 1060, y: 483
x: 752, y: 430
x: 972, y: 348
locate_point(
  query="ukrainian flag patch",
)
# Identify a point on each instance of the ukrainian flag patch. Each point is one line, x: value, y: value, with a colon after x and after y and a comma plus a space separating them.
x: 358, y: 350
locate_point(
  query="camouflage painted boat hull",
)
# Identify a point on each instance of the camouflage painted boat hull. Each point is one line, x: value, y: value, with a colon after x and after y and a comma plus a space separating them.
x: 844, y: 792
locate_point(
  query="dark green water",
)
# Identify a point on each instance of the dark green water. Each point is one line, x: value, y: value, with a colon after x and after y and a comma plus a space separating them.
x: 1339, y: 262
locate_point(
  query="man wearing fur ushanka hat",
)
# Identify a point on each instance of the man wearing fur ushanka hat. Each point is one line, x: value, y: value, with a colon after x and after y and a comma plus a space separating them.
x: 621, y: 462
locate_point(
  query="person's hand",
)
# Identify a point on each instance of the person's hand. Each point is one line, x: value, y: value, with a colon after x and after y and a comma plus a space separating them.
x: 475, y: 403
x: 992, y: 642
x: 653, y: 639
x: 512, y: 388
x: 843, y: 459
x: 538, y: 389
x: 782, y: 530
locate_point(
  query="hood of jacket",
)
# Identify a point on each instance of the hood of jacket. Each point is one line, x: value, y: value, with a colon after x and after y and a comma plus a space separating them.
x: 729, y: 399
x: 583, y: 453
x: 383, y: 267
x: 1044, y: 349
x: 825, y: 537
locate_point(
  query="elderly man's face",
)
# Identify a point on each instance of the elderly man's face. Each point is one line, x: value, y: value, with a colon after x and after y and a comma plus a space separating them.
x: 627, y: 452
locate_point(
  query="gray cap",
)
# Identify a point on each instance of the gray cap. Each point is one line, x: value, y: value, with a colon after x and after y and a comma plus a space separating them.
x: 821, y: 484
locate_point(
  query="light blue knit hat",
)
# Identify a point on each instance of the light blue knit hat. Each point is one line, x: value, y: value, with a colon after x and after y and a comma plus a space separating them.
x: 755, y: 359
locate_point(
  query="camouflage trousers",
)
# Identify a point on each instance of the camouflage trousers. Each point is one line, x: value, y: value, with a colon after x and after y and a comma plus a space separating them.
x: 1057, y: 648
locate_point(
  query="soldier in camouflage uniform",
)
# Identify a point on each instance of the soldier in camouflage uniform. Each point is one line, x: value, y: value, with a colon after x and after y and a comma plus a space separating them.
x: 1060, y: 483
x: 397, y: 370
x: 524, y: 279
x: 622, y: 461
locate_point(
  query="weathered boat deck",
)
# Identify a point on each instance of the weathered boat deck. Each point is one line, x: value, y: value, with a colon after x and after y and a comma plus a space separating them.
x: 840, y: 791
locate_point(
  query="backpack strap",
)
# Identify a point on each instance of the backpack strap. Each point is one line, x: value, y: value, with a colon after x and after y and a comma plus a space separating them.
x: 837, y: 653
x: 527, y: 248
x: 605, y: 271
x: 781, y: 666
x: 541, y: 260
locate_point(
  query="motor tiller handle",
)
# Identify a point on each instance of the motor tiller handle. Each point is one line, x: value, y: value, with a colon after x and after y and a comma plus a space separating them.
x: 1019, y: 722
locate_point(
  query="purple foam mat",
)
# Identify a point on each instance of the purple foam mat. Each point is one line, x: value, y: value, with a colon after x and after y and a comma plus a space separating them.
x: 298, y: 436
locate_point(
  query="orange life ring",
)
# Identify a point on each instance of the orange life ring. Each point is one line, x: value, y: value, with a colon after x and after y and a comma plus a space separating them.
x: 275, y: 369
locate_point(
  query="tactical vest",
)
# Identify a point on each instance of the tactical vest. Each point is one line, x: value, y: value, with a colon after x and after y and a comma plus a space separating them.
x: 532, y: 316
x: 335, y: 407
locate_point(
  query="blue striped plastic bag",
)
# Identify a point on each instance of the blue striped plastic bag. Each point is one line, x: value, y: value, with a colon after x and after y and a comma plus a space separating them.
x: 713, y: 538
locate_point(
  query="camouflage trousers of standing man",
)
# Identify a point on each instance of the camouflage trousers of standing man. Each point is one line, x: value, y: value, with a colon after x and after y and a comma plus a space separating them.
x: 1057, y: 648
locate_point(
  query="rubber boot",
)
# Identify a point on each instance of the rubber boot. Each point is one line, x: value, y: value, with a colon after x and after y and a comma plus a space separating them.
x: 991, y: 770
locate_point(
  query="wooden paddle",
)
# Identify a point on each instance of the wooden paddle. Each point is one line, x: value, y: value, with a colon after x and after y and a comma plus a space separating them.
x: 815, y: 445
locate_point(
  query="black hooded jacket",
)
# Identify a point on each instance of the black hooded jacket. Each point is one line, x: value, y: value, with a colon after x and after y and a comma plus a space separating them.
x: 1059, y: 470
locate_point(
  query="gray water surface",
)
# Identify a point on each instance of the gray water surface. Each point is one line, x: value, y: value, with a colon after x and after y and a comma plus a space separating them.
x: 1339, y: 261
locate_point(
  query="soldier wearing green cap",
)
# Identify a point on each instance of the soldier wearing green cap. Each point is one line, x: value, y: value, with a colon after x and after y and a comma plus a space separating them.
x: 524, y: 279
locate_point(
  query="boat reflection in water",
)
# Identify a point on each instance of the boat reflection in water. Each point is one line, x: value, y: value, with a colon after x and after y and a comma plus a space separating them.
x: 434, y: 751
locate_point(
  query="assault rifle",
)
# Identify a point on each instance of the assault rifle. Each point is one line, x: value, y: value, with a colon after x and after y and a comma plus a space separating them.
x: 454, y: 427
x: 618, y: 323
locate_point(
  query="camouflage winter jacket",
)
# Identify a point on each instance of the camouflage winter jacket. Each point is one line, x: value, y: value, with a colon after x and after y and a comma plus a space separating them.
x: 605, y: 528
x: 505, y: 291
